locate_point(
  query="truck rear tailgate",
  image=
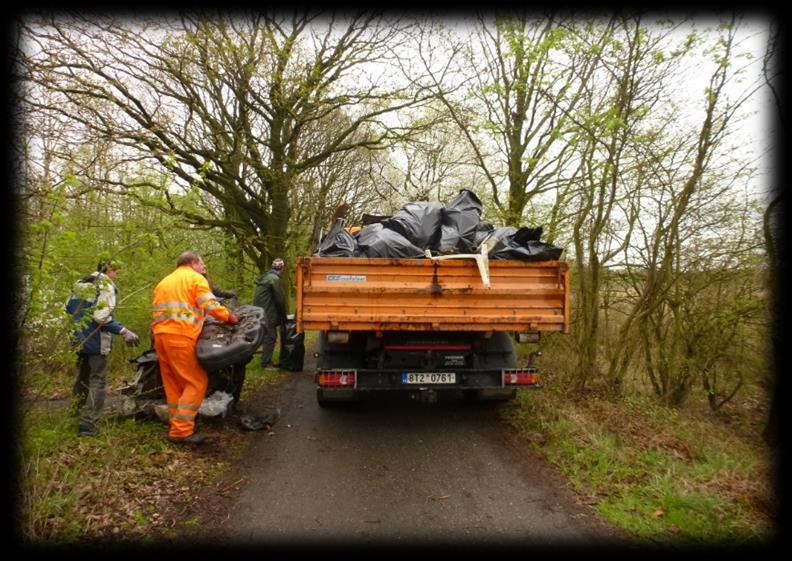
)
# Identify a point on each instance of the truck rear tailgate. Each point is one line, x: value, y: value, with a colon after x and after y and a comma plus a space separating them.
x: 362, y: 294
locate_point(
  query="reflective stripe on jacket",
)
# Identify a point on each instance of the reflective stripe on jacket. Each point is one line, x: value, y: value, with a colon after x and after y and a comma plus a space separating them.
x: 181, y: 301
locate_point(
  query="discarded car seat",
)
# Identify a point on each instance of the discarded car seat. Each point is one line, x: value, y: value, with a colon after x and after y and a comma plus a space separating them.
x: 221, y: 345
x: 148, y: 382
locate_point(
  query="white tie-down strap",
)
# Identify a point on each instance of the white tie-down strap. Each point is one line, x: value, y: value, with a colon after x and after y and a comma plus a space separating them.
x: 482, y: 260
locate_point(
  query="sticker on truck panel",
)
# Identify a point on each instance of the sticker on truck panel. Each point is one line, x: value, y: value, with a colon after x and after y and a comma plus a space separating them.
x: 347, y: 278
x: 428, y: 378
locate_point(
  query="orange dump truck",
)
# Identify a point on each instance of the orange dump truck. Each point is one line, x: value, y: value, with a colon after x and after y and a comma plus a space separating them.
x: 427, y: 325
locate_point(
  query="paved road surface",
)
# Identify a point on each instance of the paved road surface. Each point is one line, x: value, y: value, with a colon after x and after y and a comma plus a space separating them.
x: 396, y: 471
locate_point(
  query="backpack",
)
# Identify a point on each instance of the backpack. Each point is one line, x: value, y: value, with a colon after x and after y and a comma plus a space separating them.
x: 79, y: 299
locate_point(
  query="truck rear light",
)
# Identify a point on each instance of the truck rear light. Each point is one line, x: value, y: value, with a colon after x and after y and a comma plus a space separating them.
x: 335, y: 378
x: 341, y: 337
x: 521, y: 377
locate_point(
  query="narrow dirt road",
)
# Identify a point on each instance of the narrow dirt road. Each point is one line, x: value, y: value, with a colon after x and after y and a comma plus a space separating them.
x: 396, y: 471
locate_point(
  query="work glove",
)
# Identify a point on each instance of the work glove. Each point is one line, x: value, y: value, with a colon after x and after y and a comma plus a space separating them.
x: 232, y: 319
x: 129, y: 337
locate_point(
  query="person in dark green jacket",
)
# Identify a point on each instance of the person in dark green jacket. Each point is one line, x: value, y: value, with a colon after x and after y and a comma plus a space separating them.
x: 269, y: 296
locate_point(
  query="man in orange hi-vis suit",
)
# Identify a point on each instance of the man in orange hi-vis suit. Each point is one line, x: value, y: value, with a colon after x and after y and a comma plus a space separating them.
x: 181, y: 301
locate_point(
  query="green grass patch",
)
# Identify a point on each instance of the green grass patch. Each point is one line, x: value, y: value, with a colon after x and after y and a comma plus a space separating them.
x: 257, y: 378
x: 128, y: 482
x: 74, y: 489
x: 654, y: 471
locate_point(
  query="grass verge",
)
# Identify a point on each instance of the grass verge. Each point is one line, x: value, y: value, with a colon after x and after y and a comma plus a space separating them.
x: 659, y: 473
x: 127, y: 484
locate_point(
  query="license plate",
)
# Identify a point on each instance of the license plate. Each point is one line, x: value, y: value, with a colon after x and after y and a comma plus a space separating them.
x: 429, y: 378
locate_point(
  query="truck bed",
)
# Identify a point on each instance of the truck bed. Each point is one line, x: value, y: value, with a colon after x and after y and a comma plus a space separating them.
x: 365, y: 294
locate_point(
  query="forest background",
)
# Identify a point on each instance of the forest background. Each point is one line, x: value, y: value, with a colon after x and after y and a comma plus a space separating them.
x: 641, y: 143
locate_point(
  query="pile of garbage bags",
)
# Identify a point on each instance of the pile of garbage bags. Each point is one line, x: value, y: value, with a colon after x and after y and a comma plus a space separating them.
x: 453, y: 228
x: 292, y: 350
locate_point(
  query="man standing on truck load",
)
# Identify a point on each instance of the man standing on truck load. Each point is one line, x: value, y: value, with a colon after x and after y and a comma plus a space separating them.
x: 91, y: 305
x: 181, y: 301
x: 269, y: 296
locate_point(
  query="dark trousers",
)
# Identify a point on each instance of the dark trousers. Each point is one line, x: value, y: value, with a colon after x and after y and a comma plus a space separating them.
x: 268, y: 345
x: 238, y: 380
x: 89, y: 388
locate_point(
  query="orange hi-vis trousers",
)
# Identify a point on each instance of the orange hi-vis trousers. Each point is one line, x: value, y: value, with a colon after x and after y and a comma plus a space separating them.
x: 184, y: 380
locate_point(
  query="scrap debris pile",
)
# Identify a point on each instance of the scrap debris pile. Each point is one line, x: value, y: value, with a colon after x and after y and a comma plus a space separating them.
x: 453, y: 228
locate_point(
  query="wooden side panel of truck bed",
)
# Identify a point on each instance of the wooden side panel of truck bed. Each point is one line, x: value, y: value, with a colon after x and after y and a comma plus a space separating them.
x: 349, y: 294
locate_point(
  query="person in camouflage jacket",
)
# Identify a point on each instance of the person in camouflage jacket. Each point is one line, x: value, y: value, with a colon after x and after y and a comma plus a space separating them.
x: 91, y: 305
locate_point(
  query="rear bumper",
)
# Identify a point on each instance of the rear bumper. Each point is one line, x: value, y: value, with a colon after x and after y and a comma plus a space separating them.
x: 351, y: 394
x: 337, y: 394
x: 367, y: 380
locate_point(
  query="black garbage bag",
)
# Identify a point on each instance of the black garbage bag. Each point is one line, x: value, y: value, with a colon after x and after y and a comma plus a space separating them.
x: 375, y: 240
x: 372, y: 219
x: 419, y: 222
x: 221, y: 345
x: 519, y: 243
x: 256, y: 422
x: 292, y: 354
x: 252, y: 422
x: 483, y: 231
x: 460, y: 218
x: 525, y: 234
x: 338, y: 242
x: 498, y: 234
x: 531, y: 251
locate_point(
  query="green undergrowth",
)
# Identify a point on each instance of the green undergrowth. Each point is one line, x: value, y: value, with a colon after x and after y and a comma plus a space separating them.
x: 127, y: 483
x: 659, y: 473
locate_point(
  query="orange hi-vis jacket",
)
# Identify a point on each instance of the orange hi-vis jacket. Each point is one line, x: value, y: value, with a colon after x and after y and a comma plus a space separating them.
x: 181, y: 302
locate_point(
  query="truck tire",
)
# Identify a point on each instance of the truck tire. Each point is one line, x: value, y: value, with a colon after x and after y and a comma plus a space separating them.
x: 333, y: 355
x: 499, y: 351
